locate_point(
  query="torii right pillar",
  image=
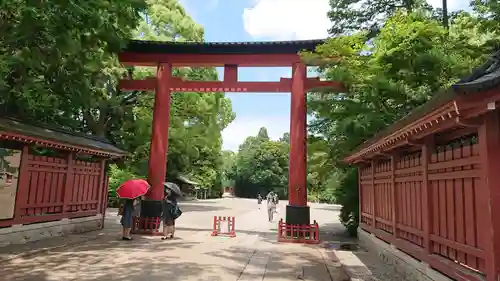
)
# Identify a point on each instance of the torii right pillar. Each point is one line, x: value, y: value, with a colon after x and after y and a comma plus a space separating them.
x: 297, y: 211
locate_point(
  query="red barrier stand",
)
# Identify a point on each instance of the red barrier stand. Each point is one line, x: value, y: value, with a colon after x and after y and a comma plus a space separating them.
x: 291, y: 233
x: 149, y: 226
x: 217, y: 229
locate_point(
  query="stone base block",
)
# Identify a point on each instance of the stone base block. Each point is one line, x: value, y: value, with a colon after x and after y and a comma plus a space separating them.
x: 398, y: 264
x: 300, y: 215
x: 20, y: 234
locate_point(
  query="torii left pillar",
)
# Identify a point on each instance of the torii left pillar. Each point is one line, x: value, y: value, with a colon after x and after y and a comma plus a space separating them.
x: 297, y: 211
x: 159, y: 143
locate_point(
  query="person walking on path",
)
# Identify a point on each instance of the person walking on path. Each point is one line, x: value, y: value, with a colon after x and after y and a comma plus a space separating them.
x: 271, y: 205
x: 126, y: 211
x: 259, y: 200
x: 276, y: 201
x: 170, y: 213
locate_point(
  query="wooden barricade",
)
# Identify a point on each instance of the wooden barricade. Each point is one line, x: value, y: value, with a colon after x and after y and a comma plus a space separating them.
x: 149, y: 226
x: 290, y: 233
x: 217, y: 226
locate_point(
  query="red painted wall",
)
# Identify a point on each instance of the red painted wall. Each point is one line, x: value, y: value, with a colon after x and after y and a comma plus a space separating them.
x: 53, y: 188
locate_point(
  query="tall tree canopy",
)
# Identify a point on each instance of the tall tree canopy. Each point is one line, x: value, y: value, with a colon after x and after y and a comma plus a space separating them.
x: 351, y: 16
x: 261, y: 165
x: 59, y: 65
x: 56, y: 58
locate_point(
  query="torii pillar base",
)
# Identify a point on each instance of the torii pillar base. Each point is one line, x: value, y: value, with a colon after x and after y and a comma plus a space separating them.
x: 300, y: 215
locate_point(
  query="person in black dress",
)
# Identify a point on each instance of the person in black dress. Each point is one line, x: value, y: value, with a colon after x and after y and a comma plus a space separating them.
x: 170, y: 213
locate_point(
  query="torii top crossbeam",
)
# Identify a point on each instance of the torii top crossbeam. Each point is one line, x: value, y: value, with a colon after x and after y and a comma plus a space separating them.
x: 245, y: 54
x: 229, y: 55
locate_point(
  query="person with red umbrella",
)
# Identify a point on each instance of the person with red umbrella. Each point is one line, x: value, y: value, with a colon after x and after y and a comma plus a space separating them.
x: 129, y: 191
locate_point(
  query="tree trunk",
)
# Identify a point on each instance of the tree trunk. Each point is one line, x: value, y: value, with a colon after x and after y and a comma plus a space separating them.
x: 408, y: 5
x: 445, y: 14
x: 97, y: 128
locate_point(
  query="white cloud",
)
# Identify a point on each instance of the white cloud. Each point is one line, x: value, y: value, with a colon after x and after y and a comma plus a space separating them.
x: 453, y: 5
x: 287, y: 19
x: 242, y: 127
x: 301, y: 19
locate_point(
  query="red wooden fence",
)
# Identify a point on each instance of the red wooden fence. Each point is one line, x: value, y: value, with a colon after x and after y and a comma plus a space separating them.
x: 429, y: 204
x: 52, y: 188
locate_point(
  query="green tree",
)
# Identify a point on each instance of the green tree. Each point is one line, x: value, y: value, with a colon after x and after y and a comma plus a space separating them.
x: 196, y: 119
x: 285, y: 138
x: 57, y: 58
x: 262, y: 135
x: 228, y: 163
x: 58, y: 65
x: 350, y: 16
x: 261, y: 165
x: 322, y: 177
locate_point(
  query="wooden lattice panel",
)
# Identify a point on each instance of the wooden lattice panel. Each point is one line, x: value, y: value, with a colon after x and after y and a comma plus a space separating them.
x: 52, y: 188
x: 454, y: 176
x: 45, y: 188
x: 86, y: 186
x: 408, y: 181
x: 382, y: 192
x: 366, y: 194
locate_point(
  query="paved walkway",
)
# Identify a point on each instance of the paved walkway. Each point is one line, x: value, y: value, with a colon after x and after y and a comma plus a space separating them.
x: 195, y: 255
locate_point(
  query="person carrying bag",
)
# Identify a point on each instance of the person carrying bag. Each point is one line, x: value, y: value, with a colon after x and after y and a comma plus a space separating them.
x: 171, y: 212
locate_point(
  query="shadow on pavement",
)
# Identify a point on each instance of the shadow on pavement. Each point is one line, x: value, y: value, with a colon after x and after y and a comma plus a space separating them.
x: 334, y: 232
x: 32, y: 276
x: 195, y: 257
x: 148, y: 258
x: 145, y: 258
x: 283, y: 262
x: 105, y: 259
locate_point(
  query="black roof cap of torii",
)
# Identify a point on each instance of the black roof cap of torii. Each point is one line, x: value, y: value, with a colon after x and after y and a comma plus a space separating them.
x: 222, y: 48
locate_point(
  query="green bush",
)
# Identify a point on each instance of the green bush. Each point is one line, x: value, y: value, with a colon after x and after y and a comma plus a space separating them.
x: 347, y: 195
x: 313, y: 197
x: 327, y: 196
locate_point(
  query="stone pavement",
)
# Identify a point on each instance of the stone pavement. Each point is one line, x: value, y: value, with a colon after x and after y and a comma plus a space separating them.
x: 195, y: 255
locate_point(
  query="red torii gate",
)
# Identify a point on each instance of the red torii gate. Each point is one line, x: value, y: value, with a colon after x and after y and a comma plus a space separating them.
x: 165, y: 55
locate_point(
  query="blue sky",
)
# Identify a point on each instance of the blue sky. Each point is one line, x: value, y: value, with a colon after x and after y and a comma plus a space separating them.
x: 264, y: 20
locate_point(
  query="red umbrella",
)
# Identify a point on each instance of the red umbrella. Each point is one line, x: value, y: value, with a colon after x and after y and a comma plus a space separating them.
x: 132, y: 189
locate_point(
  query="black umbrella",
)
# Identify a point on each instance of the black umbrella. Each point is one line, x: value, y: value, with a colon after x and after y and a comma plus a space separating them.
x: 173, y: 187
